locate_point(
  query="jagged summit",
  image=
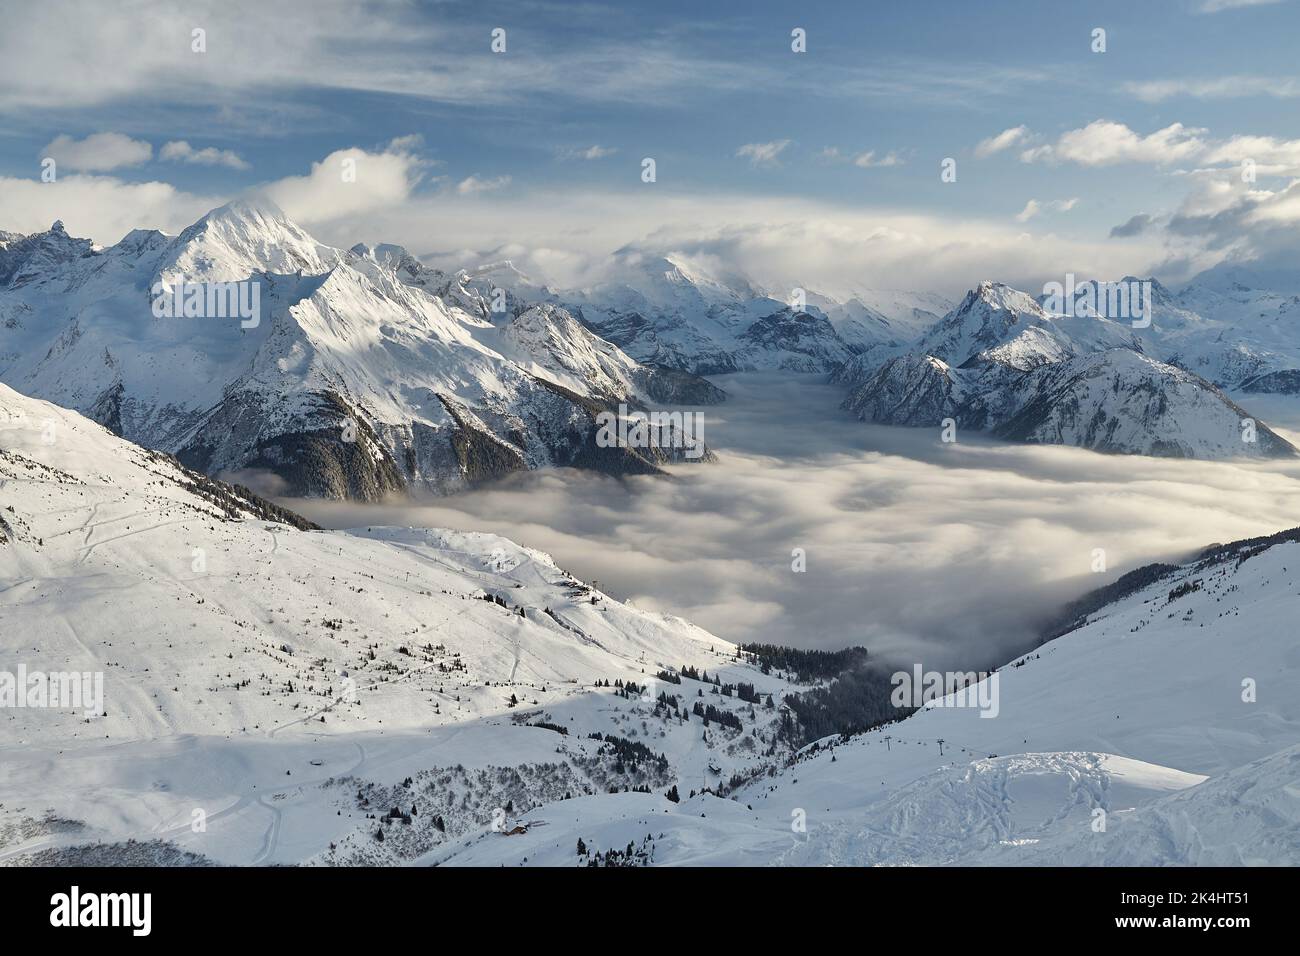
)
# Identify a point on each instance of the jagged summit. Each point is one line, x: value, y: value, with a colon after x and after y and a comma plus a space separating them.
x: 24, y: 259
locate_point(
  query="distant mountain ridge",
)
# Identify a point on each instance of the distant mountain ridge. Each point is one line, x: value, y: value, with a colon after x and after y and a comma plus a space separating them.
x: 998, y: 361
x: 370, y: 373
x: 1001, y: 363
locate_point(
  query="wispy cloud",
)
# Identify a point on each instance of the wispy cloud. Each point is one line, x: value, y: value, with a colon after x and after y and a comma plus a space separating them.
x: 477, y: 184
x: 1218, y: 6
x: 1214, y: 88
x: 1034, y: 207
x: 181, y: 151
x: 1003, y: 140
x: 763, y: 154
x: 869, y: 160
x: 586, y: 153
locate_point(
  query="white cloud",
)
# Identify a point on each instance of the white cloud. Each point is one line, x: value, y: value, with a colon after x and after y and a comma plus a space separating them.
x: 1105, y: 143
x: 63, y: 54
x: 868, y: 160
x: 864, y: 160
x: 1003, y: 140
x: 589, y: 153
x: 1218, y: 6
x: 105, y: 208
x: 1031, y: 210
x: 102, y: 208
x: 72, y: 53
x: 330, y: 191
x: 1271, y: 156
x: 1280, y: 208
x: 1034, y: 207
x: 98, y: 153
x: 1215, y: 88
x: 565, y: 237
x: 475, y: 184
x: 763, y: 154
x: 181, y: 151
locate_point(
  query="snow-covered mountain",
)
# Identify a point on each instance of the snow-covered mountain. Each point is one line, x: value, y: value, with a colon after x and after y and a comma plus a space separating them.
x: 1245, y: 337
x: 286, y: 695
x: 997, y: 361
x: 363, y: 372
x: 1231, y: 325
x: 681, y: 312
x: 1000, y: 362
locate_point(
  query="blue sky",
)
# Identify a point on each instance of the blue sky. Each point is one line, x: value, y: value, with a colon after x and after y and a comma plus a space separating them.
x: 766, y: 159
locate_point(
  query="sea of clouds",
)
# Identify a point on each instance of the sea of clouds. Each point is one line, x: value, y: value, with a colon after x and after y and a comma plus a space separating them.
x: 955, y: 555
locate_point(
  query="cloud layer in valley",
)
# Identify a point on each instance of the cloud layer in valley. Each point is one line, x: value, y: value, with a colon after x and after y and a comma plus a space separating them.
x: 952, y: 554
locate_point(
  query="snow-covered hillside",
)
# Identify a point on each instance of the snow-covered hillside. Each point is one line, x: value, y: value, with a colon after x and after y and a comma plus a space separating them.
x: 251, y: 666
x: 363, y: 372
x: 1162, y: 729
x: 278, y: 694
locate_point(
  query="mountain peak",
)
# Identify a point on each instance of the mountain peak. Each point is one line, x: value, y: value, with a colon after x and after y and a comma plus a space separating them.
x: 243, y: 238
x: 501, y: 267
x: 26, y: 258
x: 999, y: 295
x: 248, y: 209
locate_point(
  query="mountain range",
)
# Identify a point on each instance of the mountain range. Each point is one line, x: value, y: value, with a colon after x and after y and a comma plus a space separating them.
x: 367, y: 372
x: 998, y: 361
x: 363, y: 374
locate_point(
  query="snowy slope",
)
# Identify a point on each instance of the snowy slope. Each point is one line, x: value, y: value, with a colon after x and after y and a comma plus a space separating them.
x: 1122, y: 401
x: 364, y: 374
x: 1138, y: 711
x: 245, y: 658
